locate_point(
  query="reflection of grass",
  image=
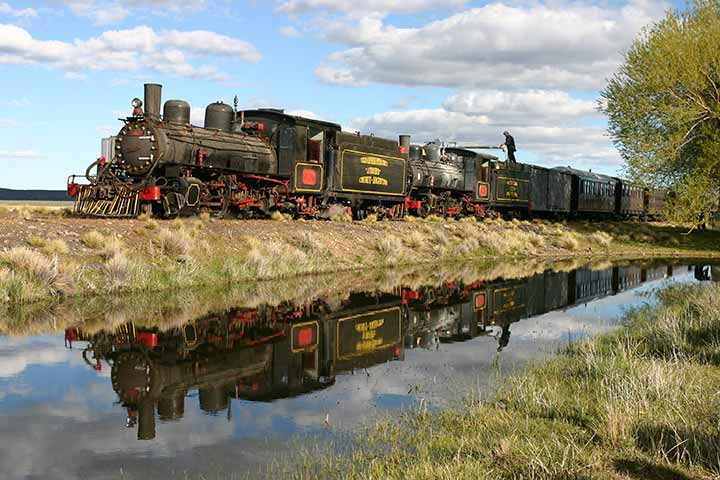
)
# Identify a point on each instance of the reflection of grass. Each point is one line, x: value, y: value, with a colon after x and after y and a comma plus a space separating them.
x: 641, y: 402
x: 174, y: 307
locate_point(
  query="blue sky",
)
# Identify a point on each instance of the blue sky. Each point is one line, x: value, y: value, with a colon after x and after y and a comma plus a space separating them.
x: 455, y: 70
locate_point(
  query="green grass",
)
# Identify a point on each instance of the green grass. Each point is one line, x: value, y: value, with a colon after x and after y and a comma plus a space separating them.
x: 643, y: 402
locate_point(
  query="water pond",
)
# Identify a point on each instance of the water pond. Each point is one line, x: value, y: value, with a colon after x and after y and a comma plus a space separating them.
x: 169, y: 390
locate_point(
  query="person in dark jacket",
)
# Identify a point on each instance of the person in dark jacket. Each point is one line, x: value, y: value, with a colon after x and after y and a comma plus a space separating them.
x: 510, y: 146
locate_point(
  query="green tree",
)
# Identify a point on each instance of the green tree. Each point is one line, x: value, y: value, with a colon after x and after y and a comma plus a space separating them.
x: 663, y: 106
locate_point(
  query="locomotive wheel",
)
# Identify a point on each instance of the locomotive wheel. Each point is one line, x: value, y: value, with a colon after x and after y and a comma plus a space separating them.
x: 359, y: 214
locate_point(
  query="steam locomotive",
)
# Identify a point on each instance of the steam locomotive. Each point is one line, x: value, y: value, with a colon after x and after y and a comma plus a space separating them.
x: 253, y: 162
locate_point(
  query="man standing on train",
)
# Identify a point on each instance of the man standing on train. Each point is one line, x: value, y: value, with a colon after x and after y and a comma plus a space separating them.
x: 509, y: 147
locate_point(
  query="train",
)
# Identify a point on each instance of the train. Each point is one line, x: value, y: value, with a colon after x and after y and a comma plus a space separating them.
x: 251, y: 163
x: 266, y: 353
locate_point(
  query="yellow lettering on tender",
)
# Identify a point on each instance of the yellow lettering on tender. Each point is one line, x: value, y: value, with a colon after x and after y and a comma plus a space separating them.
x: 371, y: 325
x: 374, y: 161
x: 369, y: 345
x: 369, y: 335
x: 373, y: 171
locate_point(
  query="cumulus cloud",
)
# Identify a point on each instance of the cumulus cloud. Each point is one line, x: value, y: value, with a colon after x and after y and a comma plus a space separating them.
x: 107, y: 12
x: 16, y: 154
x: 572, y: 144
x: 289, y: 31
x: 8, y: 10
x: 522, y: 107
x: 133, y: 50
x: 559, y: 45
x: 296, y: 7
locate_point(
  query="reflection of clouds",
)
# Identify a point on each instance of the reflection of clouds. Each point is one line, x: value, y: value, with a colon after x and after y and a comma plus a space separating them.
x: 81, y: 430
x: 17, y: 354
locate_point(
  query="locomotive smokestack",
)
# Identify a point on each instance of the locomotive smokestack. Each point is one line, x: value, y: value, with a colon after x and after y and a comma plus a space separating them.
x: 405, y: 142
x: 153, y: 98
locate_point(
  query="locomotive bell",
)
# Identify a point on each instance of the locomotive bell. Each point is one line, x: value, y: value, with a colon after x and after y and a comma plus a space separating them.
x: 219, y: 116
x: 177, y: 112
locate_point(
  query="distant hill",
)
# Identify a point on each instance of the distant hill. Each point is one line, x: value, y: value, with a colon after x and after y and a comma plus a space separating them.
x: 44, y: 195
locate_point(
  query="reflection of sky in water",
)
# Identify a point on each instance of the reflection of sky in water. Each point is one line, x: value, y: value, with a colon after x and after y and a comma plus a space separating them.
x: 59, y: 418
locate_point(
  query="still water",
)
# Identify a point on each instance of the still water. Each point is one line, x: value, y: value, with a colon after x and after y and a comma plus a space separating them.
x: 232, y: 390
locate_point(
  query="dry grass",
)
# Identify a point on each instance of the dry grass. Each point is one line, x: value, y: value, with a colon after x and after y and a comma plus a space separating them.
x: 175, y: 243
x: 49, y: 246
x: 278, y: 216
x: 118, y: 270
x: 568, y: 241
x: 307, y: 242
x: 27, y: 275
x: 390, y: 250
x: 341, y: 218
x: 601, y: 238
x: 151, y: 224
x: 94, y: 240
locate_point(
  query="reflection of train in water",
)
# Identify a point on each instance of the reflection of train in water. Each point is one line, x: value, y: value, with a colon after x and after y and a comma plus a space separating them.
x: 266, y: 353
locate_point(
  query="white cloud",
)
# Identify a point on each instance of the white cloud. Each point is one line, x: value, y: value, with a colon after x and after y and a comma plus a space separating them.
x: 7, y: 9
x: 558, y: 45
x: 295, y: 7
x: 403, y: 102
x: 16, y: 102
x: 20, y: 154
x: 197, y: 116
x: 305, y: 114
x: 7, y: 123
x: 104, y: 12
x: 521, y: 107
x: 577, y: 145
x: 290, y: 31
x: 74, y: 76
x: 135, y: 50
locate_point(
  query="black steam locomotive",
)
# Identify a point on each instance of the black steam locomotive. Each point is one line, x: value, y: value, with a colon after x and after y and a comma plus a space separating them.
x: 254, y: 162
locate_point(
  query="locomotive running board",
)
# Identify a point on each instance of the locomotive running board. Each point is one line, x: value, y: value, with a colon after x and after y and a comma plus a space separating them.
x: 122, y: 205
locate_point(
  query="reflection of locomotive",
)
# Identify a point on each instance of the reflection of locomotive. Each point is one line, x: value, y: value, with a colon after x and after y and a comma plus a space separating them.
x: 456, y: 312
x: 258, y: 161
x: 259, y: 354
x: 266, y: 353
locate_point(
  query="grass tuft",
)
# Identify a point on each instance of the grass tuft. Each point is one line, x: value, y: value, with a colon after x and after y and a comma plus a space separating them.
x: 49, y: 246
x: 175, y: 243
x: 94, y: 240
